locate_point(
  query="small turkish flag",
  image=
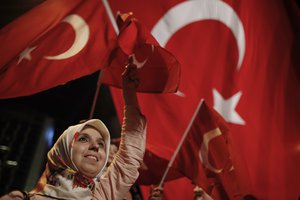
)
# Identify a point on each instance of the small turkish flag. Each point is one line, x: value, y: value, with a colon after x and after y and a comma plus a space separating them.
x: 158, y: 69
x: 204, y: 156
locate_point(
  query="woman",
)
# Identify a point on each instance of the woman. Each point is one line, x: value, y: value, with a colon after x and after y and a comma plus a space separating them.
x: 75, y: 163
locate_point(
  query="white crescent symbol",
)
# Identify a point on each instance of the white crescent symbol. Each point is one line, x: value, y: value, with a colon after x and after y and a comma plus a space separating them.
x: 136, y: 62
x: 81, y: 37
x: 191, y: 11
x: 207, y: 137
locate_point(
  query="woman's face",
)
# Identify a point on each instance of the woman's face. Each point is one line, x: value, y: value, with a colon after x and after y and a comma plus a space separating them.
x: 88, y: 152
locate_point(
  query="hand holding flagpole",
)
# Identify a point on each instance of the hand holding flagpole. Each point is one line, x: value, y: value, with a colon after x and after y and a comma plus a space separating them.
x: 133, y: 39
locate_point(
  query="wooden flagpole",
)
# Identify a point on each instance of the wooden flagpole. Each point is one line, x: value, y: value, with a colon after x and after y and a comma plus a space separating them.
x: 115, y: 26
x: 111, y: 16
x: 180, y: 143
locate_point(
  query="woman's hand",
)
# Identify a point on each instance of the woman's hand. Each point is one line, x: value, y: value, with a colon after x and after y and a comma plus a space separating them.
x: 130, y: 83
x: 130, y: 77
x: 156, y: 193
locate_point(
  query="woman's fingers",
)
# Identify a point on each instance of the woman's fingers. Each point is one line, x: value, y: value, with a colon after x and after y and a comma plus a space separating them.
x: 156, y: 193
x: 130, y: 76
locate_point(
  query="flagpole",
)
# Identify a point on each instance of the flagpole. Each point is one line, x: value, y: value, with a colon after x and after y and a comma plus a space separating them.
x: 114, y: 24
x: 180, y: 143
x: 96, y: 95
x: 111, y: 16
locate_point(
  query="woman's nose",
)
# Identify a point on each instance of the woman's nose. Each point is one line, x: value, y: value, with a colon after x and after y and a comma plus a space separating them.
x: 94, y: 146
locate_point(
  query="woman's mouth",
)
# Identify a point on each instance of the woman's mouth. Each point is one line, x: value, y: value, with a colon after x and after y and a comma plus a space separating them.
x: 91, y: 157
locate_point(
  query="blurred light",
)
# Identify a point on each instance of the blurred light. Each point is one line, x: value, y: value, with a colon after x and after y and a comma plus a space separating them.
x: 11, y: 162
x: 49, y: 133
x: 4, y: 148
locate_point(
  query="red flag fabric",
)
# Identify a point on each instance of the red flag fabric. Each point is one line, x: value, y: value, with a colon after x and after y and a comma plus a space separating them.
x: 152, y: 61
x: 58, y: 41
x: 241, y: 56
x: 204, y: 156
x: 150, y: 175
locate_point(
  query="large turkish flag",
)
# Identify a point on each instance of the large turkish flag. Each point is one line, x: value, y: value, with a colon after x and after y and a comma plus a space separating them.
x: 55, y: 42
x: 239, y: 57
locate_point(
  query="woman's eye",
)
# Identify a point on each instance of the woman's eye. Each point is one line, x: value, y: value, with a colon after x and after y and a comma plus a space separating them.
x: 82, y: 139
x: 101, y: 144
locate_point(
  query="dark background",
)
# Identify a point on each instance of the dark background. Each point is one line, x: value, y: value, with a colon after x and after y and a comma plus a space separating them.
x: 28, y: 124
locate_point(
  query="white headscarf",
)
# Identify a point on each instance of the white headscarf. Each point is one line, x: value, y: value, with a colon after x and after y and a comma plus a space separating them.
x: 61, y: 178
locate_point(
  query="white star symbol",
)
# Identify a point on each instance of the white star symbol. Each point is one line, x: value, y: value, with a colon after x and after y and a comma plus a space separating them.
x: 226, y: 107
x: 26, y: 54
